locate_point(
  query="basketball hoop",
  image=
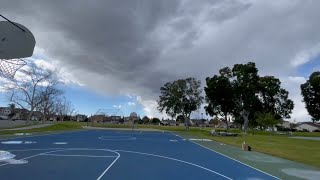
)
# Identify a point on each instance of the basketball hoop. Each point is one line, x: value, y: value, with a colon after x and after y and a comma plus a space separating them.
x: 9, y: 67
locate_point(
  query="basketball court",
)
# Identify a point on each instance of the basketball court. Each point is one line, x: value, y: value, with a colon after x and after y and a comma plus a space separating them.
x: 114, y: 154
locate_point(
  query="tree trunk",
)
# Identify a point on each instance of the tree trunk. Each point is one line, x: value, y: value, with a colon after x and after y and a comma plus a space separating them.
x: 245, y: 116
x: 29, y: 117
x: 44, y: 118
x: 186, y: 120
x: 226, y: 120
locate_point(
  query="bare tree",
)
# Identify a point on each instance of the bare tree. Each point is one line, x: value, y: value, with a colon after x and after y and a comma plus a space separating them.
x: 49, y: 96
x: 63, y: 108
x: 27, y: 90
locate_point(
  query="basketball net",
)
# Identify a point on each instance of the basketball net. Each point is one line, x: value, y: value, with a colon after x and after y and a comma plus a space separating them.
x: 9, y: 67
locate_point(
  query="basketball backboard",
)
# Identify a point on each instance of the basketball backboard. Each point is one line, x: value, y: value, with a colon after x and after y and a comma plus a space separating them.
x: 15, y: 42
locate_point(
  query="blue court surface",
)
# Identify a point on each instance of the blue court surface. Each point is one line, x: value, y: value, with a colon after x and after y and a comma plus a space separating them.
x: 112, y: 154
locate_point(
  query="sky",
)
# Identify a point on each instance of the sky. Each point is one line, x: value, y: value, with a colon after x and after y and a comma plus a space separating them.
x: 117, y: 54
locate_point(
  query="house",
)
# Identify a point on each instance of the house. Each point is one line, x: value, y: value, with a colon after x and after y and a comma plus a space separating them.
x: 4, y: 112
x: 97, y: 118
x: 80, y: 117
x: 36, y: 116
x: 53, y: 117
x: 308, y: 126
x: 220, y: 124
x: 113, y: 119
x: 200, y: 122
x: 169, y: 123
x: 285, y: 124
x: 234, y: 125
x: 20, y: 114
x: 269, y: 129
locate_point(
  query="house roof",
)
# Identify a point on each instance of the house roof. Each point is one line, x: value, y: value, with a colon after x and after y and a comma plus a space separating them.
x: 311, y: 124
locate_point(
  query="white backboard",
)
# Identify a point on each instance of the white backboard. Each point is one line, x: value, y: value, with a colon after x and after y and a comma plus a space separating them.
x: 15, y: 43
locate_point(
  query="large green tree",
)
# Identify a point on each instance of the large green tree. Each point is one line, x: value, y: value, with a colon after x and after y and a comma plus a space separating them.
x: 155, y: 120
x: 219, y: 96
x: 182, y: 96
x: 245, y: 82
x: 274, y: 99
x: 310, y: 91
x: 241, y: 92
x: 266, y: 120
x: 180, y: 119
x: 145, y: 120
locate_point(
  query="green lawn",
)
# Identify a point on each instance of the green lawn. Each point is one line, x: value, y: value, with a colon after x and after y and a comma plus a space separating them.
x: 304, y: 151
x: 62, y: 126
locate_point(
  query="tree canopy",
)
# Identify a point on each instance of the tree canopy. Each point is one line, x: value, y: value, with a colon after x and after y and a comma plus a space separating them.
x: 219, y: 96
x: 145, y: 119
x: 241, y: 92
x: 310, y: 91
x: 182, y: 96
x: 266, y: 119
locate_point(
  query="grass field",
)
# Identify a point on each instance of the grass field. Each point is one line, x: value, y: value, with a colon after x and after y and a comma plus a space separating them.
x: 304, y: 151
x: 64, y: 126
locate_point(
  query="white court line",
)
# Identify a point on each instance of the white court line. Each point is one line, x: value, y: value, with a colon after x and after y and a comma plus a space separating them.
x: 75, y: 155
x: 105, y: 171
x: 232, y: 158
x: 116, y: 151
x: 173, y: 159
x: 70, y: 149
x: 32, y: 156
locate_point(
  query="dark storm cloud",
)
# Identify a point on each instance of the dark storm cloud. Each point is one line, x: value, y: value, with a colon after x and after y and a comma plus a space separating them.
x: 136, y: 46
x: 113, y: 38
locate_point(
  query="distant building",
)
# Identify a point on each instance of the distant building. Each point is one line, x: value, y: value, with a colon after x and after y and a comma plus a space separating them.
x: 19, y: 114
x: 53, y: 117
x: 200, y: 122
x: 4, y: 112
x: 114, y: 119
x: 80, y: 117
x: 284, y: 124
x: 309, y: 126
x: 234, y: 125
x: 169, y: 123
x: 220, y: 124
x: 132, y: 118
x: 97, y: 118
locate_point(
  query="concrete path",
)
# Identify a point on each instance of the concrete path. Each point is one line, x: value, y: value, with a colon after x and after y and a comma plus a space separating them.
x: 4, y: 124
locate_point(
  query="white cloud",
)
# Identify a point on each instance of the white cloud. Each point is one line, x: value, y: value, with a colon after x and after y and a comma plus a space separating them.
x: 305, y: 56
x: 150, y: 107
x: 129, y: 96
x: 292, y: 84
x: 45, y: 65
x: 117, y: 106
x: 297, y: 80
x: 131, y: 104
